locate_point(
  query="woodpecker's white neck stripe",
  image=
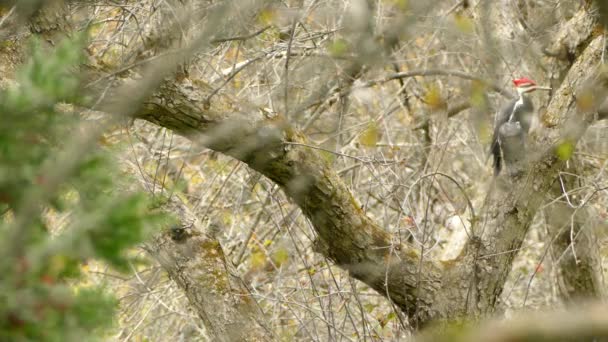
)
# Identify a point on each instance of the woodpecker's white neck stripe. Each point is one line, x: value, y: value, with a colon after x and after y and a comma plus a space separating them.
x: 518, y: 103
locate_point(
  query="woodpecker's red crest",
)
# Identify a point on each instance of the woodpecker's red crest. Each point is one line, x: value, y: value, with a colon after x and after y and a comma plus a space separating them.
x: 523, y: 82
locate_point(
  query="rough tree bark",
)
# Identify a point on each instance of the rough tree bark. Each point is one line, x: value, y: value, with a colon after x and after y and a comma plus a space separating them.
x: 195, y: 260
x: 271, y: 147
x: 572, y: 229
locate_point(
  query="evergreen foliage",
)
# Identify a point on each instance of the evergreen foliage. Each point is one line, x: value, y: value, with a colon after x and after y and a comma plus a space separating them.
x: 39, y: 267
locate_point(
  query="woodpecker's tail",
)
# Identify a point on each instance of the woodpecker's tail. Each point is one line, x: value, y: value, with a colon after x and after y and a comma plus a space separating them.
x: 497, y: 156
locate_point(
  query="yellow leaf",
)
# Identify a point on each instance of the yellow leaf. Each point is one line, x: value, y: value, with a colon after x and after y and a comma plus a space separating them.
x: 369, y: 307
x: 485, y: 133
x: 383, y: 321
x: 434, y: 99
x: 369, y: 137
x: 400, y: 4
x: 478, y: 94
x: 267, y: 16
x: 236, y: 82
x: 328, y: 156
x: 227, y: 217
x: 585, y: 102
x: 258, y: 260
x: 463, y: 23
x: 58, y: 263
x: 338, y: 48
x: 280, y: 256
x: 564, y: 150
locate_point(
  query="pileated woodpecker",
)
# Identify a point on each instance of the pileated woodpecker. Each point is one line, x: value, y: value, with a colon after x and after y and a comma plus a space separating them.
x: 514, y: 119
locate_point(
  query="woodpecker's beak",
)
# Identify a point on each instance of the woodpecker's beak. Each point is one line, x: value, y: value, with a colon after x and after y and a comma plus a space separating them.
x: 542, y: 88
x: 530, y: 88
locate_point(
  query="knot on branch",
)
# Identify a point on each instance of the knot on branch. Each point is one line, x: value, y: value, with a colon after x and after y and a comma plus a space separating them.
x: 180, y: 233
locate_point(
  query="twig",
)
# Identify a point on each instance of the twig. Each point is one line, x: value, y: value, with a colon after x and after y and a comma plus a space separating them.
x: 292, y: 33
x: 10, y: 12
x: 438, y: 72
x: 241, y: 38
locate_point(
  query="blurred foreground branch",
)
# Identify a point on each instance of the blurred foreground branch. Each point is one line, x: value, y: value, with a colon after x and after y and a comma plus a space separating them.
x: 585, y: 322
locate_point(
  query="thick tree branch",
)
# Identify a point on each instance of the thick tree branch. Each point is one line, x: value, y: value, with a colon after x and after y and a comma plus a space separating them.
x: 573, y: 36
x: 194, y: 259
x: 583, y: 323
x: 347, y: 235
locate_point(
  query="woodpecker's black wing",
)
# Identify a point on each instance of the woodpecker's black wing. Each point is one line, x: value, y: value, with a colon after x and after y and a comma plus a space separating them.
x: 501, y: 118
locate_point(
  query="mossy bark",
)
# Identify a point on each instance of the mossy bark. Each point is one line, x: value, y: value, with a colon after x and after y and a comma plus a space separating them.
x: 195, y: 261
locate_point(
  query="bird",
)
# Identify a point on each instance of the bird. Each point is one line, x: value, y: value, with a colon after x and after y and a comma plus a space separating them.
x: 518, y: 111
